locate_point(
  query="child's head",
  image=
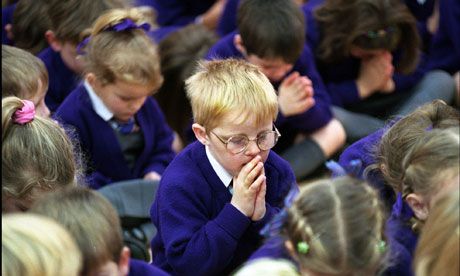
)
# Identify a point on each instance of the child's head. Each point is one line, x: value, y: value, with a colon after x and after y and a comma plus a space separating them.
x: 94, y: 224
x: 179, y: 53
x: 438, y: 248
x: 37, y: 155
x: 37, y: 246
x: 335, y: 227
x: 431, y: 166
x: 267, y: 266
x: 366, y: 27
x: 24, y: 76
x: 233, y: 99
x: 121, y: 62
x: 271, y: 35
x: 68, y: 20
x: 405, y: 133
x: 29, y: 25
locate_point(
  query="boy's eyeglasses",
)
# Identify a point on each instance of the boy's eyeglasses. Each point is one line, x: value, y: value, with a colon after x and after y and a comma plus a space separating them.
x: 239, y: 143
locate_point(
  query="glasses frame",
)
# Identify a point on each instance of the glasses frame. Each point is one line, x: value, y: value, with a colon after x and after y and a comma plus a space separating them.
x: 225, y: 142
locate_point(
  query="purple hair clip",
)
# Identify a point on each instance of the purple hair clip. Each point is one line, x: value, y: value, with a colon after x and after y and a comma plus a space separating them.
x: 124, y: 25
x: 25, y: 114
x: 127, y: 24
x: 353, y: 168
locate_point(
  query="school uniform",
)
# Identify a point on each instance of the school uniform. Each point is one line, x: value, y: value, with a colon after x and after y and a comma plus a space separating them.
x: 7, y: 18
x: 445, y: 48
x: 140, y: 268
x: 62, y: 80
x: 402, y: 240
x: 180, y: 12
x: 99, y: 141
x: 199, y: 231
x: 227, y: 21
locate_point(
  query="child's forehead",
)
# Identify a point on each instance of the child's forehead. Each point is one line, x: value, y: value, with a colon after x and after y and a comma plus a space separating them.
x: 242, y: 121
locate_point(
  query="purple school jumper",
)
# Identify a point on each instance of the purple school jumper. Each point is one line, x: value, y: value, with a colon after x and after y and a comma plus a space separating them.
x: 62, y: 80
x: 199, y: 231
x: 100, y: 144
x: 7, y: 18
x: 445, y: 48
x: 180, y: 12
x: 227, y: 21
x: 140, y: 268
x: 340, y: 77
x: 311, y: 120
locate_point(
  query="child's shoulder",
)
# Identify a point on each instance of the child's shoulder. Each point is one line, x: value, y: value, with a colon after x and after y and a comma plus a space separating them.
x: 277, y: 165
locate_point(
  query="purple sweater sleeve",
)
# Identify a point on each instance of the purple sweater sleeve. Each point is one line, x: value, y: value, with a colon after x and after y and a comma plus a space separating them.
x: 179, y: 12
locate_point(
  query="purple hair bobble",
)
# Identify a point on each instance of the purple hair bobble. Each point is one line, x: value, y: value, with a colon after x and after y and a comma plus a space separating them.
x: 127, y: 24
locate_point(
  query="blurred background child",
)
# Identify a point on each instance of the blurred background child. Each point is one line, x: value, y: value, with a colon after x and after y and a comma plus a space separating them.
x: 37, y: 156
x: 34, y: 245
x: 95, y: 225
x: 121, y: 128
x: 24, y: 76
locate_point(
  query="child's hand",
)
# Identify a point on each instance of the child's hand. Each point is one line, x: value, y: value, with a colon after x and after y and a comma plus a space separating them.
x: 246, y: 185
x: 295, y: 95
x: 259, y: 206
x: 152, y: 176
x: 375, y: 74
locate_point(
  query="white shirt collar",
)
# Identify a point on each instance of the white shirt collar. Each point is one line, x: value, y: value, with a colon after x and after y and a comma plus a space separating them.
x: 224, y: 176
x: 98, y: 105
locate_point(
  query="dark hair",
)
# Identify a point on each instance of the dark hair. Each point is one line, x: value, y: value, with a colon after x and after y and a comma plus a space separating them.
x: 179, y: 53
x: 272, y: 28
x: 30, y: 24
x: 71, y: 17
x: 368, y: 24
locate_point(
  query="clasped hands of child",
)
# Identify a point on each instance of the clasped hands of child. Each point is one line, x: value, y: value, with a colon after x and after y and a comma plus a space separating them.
x: 249, y: 188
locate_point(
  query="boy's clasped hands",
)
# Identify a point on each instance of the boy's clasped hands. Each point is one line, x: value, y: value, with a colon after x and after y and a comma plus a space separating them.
x: 249, y: 189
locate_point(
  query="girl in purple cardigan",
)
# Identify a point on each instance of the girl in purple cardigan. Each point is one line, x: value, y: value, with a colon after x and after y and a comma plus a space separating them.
x: 120, y: 127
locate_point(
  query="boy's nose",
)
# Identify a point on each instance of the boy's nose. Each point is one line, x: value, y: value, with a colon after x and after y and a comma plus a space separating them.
x: 252, y: 149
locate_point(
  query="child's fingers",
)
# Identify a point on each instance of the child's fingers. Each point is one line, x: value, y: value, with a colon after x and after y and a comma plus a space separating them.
x: 291, y: 78
x: 257, y: 184
x: 247, y: 169
x: 256, y: 171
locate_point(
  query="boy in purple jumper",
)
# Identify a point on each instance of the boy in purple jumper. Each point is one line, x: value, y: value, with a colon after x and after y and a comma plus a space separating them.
x: 218, y: 193
x: 271, y: 34
x: 120, y: 126
x: 68, y: 20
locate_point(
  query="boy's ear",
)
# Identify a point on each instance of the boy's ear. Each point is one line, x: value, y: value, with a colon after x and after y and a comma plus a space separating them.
x: 418, y: 205
x: 54, y: 43
x: 123, y: 264
x: 200, y: 133
x: 91, y: 79
x: 238, y: 42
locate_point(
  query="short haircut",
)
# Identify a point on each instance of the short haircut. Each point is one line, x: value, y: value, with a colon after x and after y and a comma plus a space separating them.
x: 438, y: 247
x: 29, y: 25
x: 21, y: 73
x: 342, y: 221
x: 272, y: 29
x: 34, y: 245
x: 36, y: 156
x: 92, y: 221
x: 267, y: 266
x: 128, y: 55
x: 68, y: 19
x: 221, y: 86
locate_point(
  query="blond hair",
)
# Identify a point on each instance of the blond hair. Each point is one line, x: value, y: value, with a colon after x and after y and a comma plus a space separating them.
x: 341, y: 220
x: 33, y: 245
x: 22, y: 73
x: 91, y: 219
x: 37, y: 155
x: 222, y: 86
x: 267, y: 266
x: 437, y: 250
x: 128, y: 55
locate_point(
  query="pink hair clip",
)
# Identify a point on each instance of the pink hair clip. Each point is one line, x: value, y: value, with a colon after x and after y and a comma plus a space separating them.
x: 24, y: 114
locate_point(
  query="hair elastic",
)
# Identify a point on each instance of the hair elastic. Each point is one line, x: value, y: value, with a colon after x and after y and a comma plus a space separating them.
x: 24, y: 114
x: 382, y: 246
x: 303, y: 247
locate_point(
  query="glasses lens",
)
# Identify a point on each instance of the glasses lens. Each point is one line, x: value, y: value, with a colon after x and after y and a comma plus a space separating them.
x: 267, y: 140
x: 237, y: 144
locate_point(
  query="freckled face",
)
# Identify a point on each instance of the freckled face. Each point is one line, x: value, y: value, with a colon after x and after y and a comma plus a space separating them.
x: 233, y: 163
